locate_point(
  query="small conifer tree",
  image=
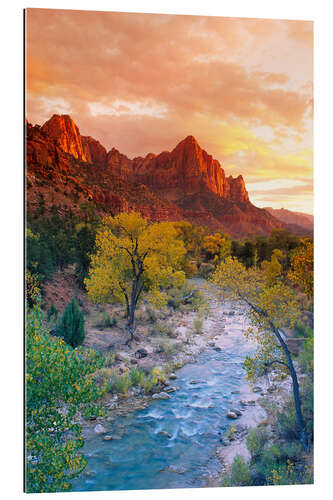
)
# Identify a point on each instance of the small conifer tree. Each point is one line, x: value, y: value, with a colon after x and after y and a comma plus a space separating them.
x: 71, y: 326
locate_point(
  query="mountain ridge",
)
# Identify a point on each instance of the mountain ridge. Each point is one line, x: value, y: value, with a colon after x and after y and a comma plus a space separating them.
x: 184, y: 183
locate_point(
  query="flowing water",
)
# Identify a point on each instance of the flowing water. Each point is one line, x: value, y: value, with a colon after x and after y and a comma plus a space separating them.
x: 143, y: 456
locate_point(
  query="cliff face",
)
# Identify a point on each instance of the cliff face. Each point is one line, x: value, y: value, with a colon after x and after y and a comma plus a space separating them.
x: 58, y: 181
x: 66, y: 133
x: 186, y: 183
x: 93, y: 151
x: 188, y: 170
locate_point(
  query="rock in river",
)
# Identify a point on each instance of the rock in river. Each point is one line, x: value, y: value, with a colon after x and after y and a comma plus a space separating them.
x: 236, y: 411
x: 100, y: 429
x: 172, y: 376
x: 232, y: 415
x: 108, y: 437
x: 257, y: 389
x: 171, y: 388
x: 161, y: 395
x: 164, y: 433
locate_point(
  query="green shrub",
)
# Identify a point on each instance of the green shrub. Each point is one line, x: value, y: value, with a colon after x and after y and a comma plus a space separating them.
x: 121, y: 383
x: 286, y: 422
x: 197, y: 324
x: 52, y: 312
x: 71, y: 326
x: 240, y: 472
x: 303, y: 330
x: 256, y: 441
x: 305, y: 357
x: 163, y: 328
x: 137, y: 376
x: 151, y: 313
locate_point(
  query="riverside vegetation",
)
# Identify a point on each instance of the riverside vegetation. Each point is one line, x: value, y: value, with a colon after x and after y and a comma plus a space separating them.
x: 136, y: 275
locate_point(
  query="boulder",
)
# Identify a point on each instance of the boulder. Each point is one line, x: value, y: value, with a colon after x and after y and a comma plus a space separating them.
x: 100, y: 429
x: 232, y: 415
x: 161, y: 395
x: 108, y: 437
x: 257, y: 389
x: 171, y: 388
x: 164, y: 433
x: 172, y: 376
x: 236, y: 411
x: 141, y: 353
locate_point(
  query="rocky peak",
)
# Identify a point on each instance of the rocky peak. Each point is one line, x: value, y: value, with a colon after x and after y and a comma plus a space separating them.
x: 93, y: 150
x: 65, y: 131
x: 237, y: 189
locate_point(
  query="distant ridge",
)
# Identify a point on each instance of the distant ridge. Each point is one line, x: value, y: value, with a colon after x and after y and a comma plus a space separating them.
x: 290, y: 217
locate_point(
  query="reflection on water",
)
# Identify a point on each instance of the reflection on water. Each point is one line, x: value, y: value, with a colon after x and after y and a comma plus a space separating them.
x: 145, y: 457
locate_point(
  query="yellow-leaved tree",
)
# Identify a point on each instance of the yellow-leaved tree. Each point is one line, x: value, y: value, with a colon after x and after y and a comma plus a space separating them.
x: 134, y: 258
x: 272, y: 306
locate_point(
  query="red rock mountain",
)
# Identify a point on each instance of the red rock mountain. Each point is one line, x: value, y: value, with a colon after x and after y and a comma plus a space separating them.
x: 69, y: 170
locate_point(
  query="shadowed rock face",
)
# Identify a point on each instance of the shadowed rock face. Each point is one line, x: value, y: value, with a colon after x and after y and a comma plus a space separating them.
x: 93, y: 151
x: 186, y: 183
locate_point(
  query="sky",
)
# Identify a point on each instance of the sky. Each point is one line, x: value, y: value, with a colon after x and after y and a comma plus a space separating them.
x: 143, y: 82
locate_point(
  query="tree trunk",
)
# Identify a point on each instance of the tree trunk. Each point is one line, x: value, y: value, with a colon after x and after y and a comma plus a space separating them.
x: 131, y: 311
x: 297, y: 399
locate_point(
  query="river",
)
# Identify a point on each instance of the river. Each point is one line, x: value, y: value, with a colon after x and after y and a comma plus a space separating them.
x: 172, y: 443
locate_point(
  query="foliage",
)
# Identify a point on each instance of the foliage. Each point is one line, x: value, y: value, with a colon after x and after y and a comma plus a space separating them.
x: 305, y: 357
x: 217, y: 246
x: 55, y: 241
x: 301, y: 272
x: 286, y: 421
x: 240, y: 472
x: 52, y: 312
x: 192, y: 236
x: 71, y: 325
x: 256, y: 440
x: 272, y: 269
x: 59, y: 384
x: 134, y: 257
x: 32, y: 288
x: 163, y: 328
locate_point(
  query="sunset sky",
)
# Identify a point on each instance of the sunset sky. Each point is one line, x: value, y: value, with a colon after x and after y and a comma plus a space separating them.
x: 143, y: 82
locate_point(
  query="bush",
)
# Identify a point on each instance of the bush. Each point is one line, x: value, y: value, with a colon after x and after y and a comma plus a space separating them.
x: 286, y: 422
x: 163, y: 328
x: 137, y: 377
x: 57, y: 378
x: 240, y: 472
x: 256, y: 441
x: 305, y: 357
x: 32, y: 288
x: 197, y: 324
x: 121, y: 383
x: 52, y: 312
x: 71, y: 326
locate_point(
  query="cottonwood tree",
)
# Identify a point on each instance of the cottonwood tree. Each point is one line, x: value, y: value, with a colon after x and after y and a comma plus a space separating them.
x: 134, y: 257
x: 272, y: 306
